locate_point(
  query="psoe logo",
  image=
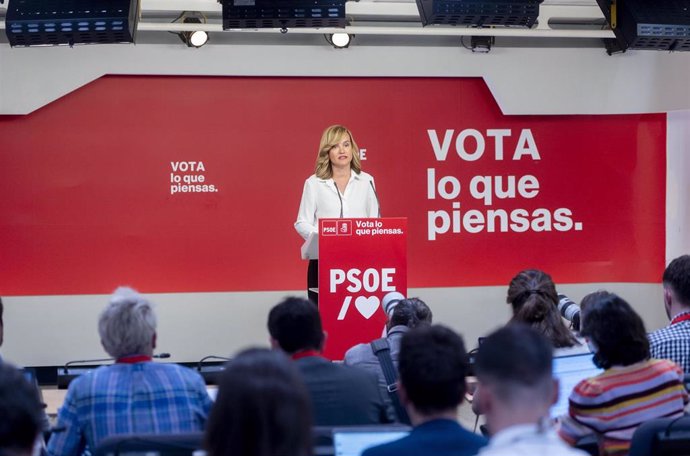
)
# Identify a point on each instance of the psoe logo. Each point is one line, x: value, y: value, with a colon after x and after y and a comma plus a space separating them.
x: 361, y: 286
x: 344, y: 227
x: 329, y: 228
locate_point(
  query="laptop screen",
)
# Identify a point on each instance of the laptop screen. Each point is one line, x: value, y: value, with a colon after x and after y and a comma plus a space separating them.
x: 570, y: 370
x: 354, y: 442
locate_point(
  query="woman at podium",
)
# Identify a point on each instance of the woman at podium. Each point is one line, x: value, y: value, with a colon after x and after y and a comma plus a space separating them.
x: 338, y: 188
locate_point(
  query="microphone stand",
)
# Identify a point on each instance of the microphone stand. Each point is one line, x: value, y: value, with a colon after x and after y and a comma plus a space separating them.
x: 104, y: 360
x: 201, y: 362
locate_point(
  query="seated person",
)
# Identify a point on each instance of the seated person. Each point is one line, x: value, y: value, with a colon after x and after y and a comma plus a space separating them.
x: 45, y: 423
x: 21, y: 414
x: 517, y: 389
x: 262, y: 408
x: 673, y: 341
x: 433, y: 366
x: 533, y: 298
x: 408, y: 313
x: 633, y: 388
x: 340, y: 395
x: 134, y: 395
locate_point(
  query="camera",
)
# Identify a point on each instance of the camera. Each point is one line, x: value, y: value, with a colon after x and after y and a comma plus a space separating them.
x: 570, y: 311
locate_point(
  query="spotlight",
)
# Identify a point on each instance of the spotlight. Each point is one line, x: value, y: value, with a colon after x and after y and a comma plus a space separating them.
x: 339, y: 40
x: 481, y: 44
x: 196, y: 38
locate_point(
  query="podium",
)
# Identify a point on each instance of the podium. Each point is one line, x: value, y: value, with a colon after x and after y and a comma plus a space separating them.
x: 360, y: 261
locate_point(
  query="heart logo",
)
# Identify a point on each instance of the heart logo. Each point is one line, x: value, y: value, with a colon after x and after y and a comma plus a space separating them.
x: 367, y: 306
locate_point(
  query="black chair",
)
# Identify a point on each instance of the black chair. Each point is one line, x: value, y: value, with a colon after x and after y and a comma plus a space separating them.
x: 323, y: 440
x: 159, y: 444
x: 662, y: 437
x: 589, y: 444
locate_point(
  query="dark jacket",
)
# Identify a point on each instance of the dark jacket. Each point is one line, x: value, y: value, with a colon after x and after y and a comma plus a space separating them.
x: 342, y: 395
x: 437, y: 438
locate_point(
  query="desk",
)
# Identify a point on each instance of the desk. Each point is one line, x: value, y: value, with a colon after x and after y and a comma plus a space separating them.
x: 53, y: 399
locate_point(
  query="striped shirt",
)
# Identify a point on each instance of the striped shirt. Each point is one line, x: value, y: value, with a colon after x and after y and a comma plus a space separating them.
x: 614, y: 403
x: 129, y: 398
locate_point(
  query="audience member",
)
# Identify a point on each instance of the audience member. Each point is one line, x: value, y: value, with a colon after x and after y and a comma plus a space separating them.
x: 389, y: 301
x: 45, y: 422
x: 532, y: 295
x: 514, y: 369
x: 632, y: 389
x: 21, y: 414
x: 134, y: 395
x: 341, y: 395
x: 533, y: 298
x: 433, y: 366
x: 262, y: 408
x: 408, y: 313
x: 673, y: 341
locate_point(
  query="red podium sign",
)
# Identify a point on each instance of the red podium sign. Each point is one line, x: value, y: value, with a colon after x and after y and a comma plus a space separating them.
x: 360, y: 261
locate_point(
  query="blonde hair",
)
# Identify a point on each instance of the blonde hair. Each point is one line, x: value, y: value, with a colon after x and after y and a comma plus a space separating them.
x: 329, y: 139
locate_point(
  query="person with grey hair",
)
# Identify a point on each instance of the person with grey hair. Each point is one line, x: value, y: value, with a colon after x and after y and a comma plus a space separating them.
x: 134, y: 395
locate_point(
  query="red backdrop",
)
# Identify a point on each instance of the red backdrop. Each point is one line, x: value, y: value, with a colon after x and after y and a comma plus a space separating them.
x: 86, y: 184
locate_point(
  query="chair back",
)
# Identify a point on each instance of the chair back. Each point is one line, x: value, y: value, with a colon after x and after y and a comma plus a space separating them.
x: 184, y: 444
x: 662, y: 437
x: 589, y: 444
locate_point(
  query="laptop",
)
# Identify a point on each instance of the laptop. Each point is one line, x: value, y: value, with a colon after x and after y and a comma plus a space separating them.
x: 570, y: 370
x: 353, y: 441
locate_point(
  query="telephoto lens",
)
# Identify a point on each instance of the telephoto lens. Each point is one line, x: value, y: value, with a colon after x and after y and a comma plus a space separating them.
x: 570, y: 311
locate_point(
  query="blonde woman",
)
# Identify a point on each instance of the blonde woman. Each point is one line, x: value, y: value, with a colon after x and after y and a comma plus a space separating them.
x: 338, y: 188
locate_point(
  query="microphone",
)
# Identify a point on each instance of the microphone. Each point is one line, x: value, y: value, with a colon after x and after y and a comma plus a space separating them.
x: 210, y: 373
x: 104, y: 360
x: 201, y: 361
x: 85, y: 361
x: 378, y: 203
x: 340, y: 198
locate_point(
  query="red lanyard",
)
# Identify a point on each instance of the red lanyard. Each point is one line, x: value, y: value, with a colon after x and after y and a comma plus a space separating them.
x: 685, y: 316
x: 134, y: 359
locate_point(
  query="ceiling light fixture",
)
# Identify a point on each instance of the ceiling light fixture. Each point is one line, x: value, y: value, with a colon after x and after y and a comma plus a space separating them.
x: 339, y: 40
x: 196, y: 38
